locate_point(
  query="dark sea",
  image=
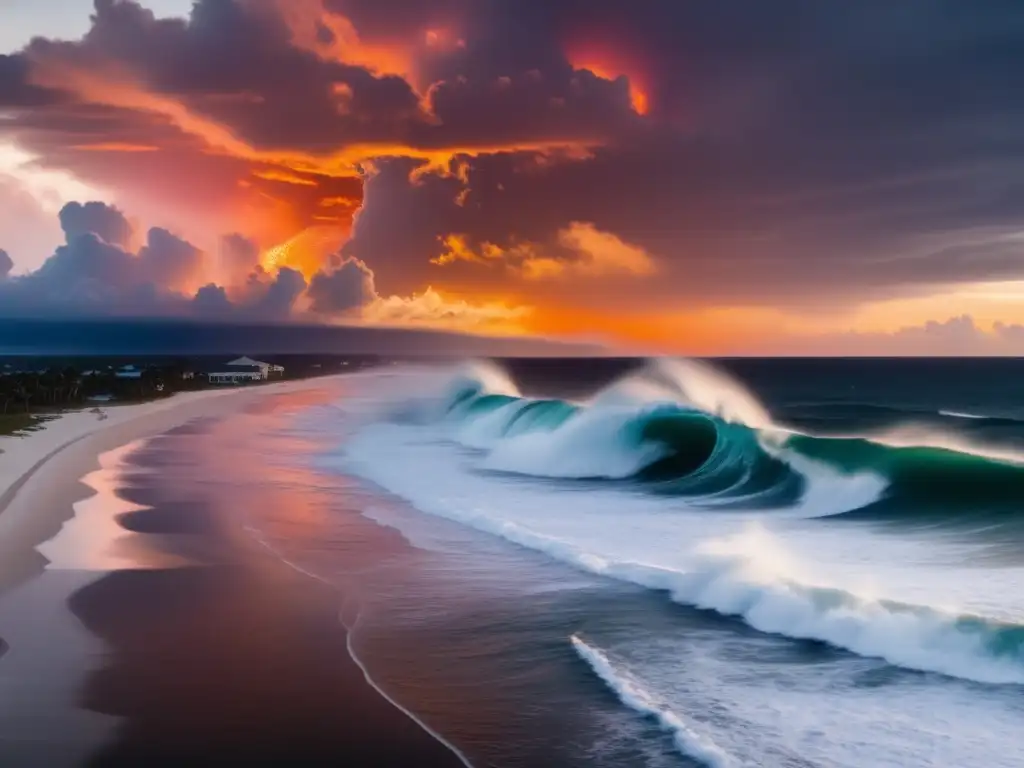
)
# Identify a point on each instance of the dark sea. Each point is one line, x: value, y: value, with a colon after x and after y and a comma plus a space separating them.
x: 617, y: 563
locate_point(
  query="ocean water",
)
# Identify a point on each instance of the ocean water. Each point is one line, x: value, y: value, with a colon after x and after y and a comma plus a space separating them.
x: 676, y: 563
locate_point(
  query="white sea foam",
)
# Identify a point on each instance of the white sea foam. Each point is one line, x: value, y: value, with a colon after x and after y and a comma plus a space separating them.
x: 961, y: 415
x: 746, y: 573
x: 917, y: 601
x: 589, y: 445
x: 487, y: 430
x: 633, y: 694
x: 704, y: 387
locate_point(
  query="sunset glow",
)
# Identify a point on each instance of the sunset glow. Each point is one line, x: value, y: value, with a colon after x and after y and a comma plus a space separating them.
x: 611, y: 65
x: 374, y: 164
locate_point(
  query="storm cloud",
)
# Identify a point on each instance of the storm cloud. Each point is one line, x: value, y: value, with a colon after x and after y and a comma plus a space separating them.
x: 167, y: 276
x: 593, y: 155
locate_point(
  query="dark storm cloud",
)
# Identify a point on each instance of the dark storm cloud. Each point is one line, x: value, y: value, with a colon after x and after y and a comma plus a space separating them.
x: 794, y: 148
x: 239, y: 256
x: 95, y: 271
x: 98, y: 218
x: 212, y: 299
x: 400, y: 223
x: 16, y: 88
x: 347, y: 287
x: 87, y: 274
x: 6, y: 264
x: 793, y: 151
x: 282, y: 293
x: 234, y: 63
x: 167, y: 260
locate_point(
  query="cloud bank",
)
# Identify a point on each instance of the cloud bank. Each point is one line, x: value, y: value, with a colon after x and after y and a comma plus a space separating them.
x: 493, y: 164
x: 97, y: 273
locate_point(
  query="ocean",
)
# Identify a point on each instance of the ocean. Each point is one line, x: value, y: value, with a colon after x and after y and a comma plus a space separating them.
x: 661, y: 563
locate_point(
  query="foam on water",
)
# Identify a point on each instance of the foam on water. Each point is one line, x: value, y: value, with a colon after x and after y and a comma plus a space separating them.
x: 746, y: 573
x: 711, y: 560
x: 961, y: 415
x: 632, y: 693
x: 916, y: 602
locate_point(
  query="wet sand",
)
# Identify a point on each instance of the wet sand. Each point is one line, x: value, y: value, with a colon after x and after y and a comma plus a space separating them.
x: 240, y: 661
x: 41, y: 472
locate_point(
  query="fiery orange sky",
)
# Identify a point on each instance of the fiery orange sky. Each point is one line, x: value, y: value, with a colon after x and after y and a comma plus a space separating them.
x: 664, y: 177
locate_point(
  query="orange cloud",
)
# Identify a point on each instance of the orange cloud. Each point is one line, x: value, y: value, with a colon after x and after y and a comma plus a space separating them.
x: 306, y: 252
x: 272, y: 174
x: 432, y: 309
x: 603, y: 253
x: 339, y: 202
x: 114, y: 146
x: 442, y: 39
x: 457, y: 248
x: 117, y: 89
x: 586, y: 252
x: 306, y: 20
x: 610, y: 64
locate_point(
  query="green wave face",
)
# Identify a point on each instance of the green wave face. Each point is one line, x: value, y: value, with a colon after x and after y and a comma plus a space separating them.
x: 705, y: 456
x: 686, y: 452
x: 540, y: 415
x: 689, y: 453
x: 926, y: 484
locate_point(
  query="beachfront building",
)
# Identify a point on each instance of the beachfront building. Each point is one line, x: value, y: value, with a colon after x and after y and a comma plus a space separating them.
x: 268, y: 369
x: 230, y: 373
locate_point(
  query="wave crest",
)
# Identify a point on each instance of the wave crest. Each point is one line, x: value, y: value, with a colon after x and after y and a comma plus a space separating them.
x: 676, y: 426
x: 683, y: 428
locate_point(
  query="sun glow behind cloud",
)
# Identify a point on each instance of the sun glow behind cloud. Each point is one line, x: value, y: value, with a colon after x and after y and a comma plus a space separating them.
x: 305, y: 252
x: 484, y: 163
x: 51, y: 188
x: 609, y: 64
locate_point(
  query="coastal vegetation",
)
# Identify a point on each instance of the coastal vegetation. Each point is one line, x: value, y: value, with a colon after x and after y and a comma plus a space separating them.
x: 32, y: 389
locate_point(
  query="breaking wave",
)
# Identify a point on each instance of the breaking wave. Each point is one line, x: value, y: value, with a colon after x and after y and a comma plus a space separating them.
x: 684, y: 429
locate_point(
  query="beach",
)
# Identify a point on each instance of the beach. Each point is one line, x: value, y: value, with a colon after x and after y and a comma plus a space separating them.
x: 434, y: 566
x: 142, y: 628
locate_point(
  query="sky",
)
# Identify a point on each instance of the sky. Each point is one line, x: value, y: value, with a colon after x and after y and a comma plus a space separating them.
x: 800, y: 177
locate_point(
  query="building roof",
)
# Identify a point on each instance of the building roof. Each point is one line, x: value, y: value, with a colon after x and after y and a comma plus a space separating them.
x: 247, y: 361
x: 230, y: 368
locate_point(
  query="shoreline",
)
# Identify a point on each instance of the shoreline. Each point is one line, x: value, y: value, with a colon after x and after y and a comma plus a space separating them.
x: 37, y: 492
x: 44, y: 484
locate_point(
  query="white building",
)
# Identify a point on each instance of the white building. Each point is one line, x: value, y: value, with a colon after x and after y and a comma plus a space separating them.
x: 267, y: 369
x: 235, y: 374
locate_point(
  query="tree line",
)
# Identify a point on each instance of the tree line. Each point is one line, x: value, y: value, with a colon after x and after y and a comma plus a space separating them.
x: 56, y: 388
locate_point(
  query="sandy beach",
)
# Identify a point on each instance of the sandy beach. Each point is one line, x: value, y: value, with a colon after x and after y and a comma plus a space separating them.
x: 118, y: 664
x: 39, y: 471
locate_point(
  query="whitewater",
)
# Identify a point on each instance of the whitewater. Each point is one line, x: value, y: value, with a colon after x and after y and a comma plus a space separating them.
x: 676, y: 478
